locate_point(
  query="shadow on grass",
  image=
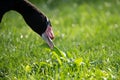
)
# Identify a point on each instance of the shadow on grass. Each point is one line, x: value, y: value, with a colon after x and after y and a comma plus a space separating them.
x: 44, y: 45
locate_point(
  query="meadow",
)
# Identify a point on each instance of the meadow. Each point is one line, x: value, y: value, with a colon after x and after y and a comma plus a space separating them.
x: 87, y: 42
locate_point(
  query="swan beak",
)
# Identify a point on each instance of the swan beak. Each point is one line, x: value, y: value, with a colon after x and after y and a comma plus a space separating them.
x: 48, y: 40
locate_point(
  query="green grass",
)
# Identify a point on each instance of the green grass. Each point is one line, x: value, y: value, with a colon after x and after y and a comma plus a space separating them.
x: 88, y: 32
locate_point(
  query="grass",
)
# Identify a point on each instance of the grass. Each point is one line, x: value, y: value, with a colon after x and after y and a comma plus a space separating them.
x: 86, y: 31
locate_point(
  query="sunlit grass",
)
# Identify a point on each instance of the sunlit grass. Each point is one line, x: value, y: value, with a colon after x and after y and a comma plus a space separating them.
x: 86, y: 31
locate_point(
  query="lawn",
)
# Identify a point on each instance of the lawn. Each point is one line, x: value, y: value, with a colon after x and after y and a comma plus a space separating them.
x: 87, y: 43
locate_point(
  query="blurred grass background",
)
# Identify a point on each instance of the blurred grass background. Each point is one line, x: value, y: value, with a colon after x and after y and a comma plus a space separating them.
x: 83, y: 28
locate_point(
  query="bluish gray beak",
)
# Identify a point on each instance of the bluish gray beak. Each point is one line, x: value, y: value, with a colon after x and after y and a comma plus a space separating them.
x: 48, y: 40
